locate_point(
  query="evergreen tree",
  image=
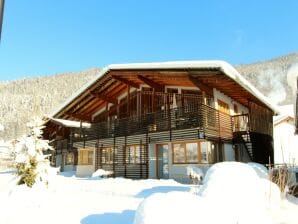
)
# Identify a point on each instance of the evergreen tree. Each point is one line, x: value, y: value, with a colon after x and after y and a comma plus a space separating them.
x: 31, y: 164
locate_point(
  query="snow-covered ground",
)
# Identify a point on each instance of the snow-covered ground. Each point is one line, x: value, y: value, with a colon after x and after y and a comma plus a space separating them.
x: 69, y: 199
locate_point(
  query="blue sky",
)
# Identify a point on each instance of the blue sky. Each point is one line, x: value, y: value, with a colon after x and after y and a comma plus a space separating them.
x: 53, y: 36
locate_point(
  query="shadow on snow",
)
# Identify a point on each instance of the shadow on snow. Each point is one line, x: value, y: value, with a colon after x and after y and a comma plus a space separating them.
x: 160, y: 189
x: 126, y: 217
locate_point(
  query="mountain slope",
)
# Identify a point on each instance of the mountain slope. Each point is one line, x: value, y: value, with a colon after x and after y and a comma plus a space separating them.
x: 270, y: 77
x: 23, y: 99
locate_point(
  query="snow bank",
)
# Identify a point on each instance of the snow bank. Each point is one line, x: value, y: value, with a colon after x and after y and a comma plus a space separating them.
x: 101, y: 173
x: 173, y: 207
x: 232, y: 192
x: 260, y: 169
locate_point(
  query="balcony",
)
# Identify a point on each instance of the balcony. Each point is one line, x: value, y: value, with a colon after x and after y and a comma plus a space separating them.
x: 209, y: 123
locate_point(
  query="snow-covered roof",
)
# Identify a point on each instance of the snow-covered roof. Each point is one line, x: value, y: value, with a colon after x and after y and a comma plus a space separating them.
x: 69, y: 123
x: 286, y: 113
x: 225, y: 67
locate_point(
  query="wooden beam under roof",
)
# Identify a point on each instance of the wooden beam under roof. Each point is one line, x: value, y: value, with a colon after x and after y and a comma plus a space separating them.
x: 104, y: 98
x: 200, y: 85
x: 80, y: 117
x: 151, y: 83
x: 125, y: 81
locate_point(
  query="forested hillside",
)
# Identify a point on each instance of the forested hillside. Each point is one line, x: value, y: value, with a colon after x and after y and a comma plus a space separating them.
x: 23, y: 99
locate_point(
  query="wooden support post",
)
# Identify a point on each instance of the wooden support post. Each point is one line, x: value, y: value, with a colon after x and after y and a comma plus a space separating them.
x: 141, y: 158
x: 114, y: 147
x: 124, y: 155
x: 96, y: 155
x: 128, y: 101
x: 146, y: 159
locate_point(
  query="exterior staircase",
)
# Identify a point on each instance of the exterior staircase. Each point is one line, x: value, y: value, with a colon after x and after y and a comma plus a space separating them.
x: 243, y: 138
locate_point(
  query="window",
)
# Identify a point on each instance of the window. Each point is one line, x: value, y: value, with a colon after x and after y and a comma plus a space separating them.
x: 108, y: 154
x: 69, y: 159
x: 223, y: 107
x: 185, y: 153
x: 179, y: 153
x: 86, y: 157
x: 193, y: 152
x: 134, y: 154
x: 207, y: 155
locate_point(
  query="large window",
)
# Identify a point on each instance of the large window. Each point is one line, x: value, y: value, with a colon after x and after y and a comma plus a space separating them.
x: 134, y: 154
x: 85, y: 157
x: 108, y: 154
x: 193, y: 152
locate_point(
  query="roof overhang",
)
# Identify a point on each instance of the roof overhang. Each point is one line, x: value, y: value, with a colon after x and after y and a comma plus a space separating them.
x: 186, y: 66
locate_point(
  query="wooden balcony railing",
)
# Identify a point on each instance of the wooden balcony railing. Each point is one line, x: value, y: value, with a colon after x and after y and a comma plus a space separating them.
x: 208, y: 120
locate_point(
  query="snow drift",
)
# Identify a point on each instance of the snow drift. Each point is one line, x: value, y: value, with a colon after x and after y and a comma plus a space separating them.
x: 231, y: 193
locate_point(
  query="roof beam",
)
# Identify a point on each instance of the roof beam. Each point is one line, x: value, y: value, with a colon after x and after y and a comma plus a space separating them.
x: 105, y: 98
x: 80, y: 117
x: 125, y: 81
x: 151, y: 83
x: 200, y: 85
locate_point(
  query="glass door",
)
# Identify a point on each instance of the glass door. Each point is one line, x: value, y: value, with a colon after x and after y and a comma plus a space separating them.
x: 162, y: 165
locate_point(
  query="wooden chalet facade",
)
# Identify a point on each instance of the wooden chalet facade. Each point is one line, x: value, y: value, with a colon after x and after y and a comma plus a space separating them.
x: 152, y: 120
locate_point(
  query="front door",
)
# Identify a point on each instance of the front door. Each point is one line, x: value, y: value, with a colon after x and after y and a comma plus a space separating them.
x: 162, y: 166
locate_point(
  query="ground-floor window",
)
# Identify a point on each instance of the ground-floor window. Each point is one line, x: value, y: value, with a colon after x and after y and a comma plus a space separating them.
x: 69, y: 159
x: 108, y: 155
x: 193, y: 152
x: 86, y: 157
x: 134, y: 154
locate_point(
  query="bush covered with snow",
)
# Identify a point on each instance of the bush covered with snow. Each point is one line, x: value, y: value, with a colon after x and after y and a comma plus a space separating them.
x: 194, y: 173
x: 31, y: 164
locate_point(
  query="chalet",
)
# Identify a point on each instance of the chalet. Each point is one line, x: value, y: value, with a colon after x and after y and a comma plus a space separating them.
x: 151, y: 120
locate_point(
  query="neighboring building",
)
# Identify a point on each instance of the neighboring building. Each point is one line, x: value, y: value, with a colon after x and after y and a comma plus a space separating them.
x: 150, y: 120
x: 285, y: 141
